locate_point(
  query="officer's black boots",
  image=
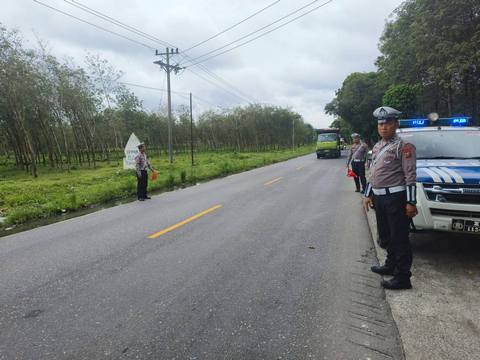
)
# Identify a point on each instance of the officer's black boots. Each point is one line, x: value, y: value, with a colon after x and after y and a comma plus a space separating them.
x: 383, y: 243
x: 382, y: 270
x: 397, y: 284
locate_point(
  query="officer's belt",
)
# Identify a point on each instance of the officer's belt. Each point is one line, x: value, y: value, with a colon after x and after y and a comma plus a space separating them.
x: 358, y: 160
x: 389, y: 190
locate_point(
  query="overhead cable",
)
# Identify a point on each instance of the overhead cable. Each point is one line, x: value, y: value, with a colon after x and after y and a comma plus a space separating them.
x: 140, y: 33
x: 152, y: 38
x: 227, y: 91
x: 232, y: 27
x: 195, y: 62
x: 114, y: 21
x: 150, y: 87
x: 94, y: 25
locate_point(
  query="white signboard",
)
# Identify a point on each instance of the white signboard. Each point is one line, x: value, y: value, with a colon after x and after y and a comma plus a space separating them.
x: 131, y: 150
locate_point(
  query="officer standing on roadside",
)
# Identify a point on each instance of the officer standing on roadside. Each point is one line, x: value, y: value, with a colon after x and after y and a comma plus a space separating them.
x: 356, y: 161
x: 141, y: 166
x: 391, y: 190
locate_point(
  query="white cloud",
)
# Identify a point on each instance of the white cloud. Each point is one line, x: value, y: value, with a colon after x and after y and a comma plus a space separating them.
x: 300, y: 65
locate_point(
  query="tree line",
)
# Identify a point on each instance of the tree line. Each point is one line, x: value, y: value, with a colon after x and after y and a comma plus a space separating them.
x: 429, y: 62
x: 56, y: 113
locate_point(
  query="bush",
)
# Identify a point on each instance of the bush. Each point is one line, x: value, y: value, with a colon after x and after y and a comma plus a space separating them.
x: 183, y: 177
x: 225, y: 168
x: 73, y: 201
x: 22, y: 214
x: 170, y: 183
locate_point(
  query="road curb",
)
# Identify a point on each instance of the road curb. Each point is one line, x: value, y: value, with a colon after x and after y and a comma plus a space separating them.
x: 431, y: 316
x: 372, y: 224
x: 381, y: 255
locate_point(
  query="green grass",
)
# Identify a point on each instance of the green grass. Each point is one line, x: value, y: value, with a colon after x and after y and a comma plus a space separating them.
x: 23, y: 198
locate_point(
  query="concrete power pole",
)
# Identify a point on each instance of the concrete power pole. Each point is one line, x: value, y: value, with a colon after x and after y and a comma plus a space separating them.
x: 293, y: 134
x: 191, y: 128
x: 168, y: 68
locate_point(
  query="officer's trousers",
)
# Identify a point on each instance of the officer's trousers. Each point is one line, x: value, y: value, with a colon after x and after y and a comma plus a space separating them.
x: 358, y: 167
x: 142, y: 183
x: 393, y: 227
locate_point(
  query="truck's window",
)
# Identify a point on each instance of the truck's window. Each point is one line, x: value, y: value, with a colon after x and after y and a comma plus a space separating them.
x: 445, y: 144
x: 327, y: 137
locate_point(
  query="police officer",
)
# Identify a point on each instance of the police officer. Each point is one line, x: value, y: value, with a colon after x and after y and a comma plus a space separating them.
x: 391, y: 191
x: 356, y: 161
x: 141, y: 166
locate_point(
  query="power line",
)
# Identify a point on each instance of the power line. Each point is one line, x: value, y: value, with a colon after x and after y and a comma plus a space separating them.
x: 206, y: 101
x: 150, y: 87
x: 94, y: 25
x: 222, y: 80
x: 227, y: 91
x: 182, y: 94
x: 232, y: 27
x: 194, y: 62
x: 127, y: 27
x: 116, y: 22
x: 258, y: 30
x: 137, y: 32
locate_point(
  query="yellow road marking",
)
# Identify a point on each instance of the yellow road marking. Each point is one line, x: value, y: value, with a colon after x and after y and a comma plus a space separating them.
x: 186, y: 221
x: 273, y: 181
x: 300, y: 167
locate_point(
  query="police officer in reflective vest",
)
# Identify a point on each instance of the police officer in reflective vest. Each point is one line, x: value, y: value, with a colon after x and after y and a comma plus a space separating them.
x: 391, y: 190
x: 356, y: 161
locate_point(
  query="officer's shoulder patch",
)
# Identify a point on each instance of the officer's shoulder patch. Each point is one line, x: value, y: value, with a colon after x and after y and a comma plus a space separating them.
x: 407, y: 150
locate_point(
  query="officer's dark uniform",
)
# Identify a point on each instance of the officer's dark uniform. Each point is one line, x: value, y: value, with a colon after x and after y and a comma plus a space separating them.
x: 356, y: 160
x: 392, y: 184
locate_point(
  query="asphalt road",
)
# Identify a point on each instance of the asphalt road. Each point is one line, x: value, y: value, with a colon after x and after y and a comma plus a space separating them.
x: 276, y: 269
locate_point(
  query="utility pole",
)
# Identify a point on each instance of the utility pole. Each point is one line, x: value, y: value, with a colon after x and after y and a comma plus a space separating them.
x: 168, y: 68
x: 191, y: 128
x: 237, y: 133
x: 293, y: 134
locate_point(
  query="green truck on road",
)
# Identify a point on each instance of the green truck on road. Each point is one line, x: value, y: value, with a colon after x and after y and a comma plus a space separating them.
x: 328, y: 143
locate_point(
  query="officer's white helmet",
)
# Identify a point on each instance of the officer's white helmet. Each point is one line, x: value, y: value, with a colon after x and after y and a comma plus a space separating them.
x: 385, y: 112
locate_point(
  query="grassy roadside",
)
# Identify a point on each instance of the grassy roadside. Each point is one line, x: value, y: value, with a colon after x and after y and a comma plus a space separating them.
x: 56, y: 192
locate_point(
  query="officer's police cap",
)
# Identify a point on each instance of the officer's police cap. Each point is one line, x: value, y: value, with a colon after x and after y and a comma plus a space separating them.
x: 355, y: 136
x: 385, y: 113
x: 140, y: 145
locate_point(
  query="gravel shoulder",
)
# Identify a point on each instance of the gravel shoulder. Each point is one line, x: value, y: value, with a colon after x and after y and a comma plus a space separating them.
x: 440, y: 317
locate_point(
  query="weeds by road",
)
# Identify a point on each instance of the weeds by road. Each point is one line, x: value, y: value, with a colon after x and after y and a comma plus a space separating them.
x: 23, y: 198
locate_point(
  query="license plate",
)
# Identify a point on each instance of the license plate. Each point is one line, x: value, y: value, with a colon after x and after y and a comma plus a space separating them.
x: 466, y: 225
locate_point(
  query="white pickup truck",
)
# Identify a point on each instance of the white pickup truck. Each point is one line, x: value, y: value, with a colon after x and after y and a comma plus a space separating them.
x: 448, y: 173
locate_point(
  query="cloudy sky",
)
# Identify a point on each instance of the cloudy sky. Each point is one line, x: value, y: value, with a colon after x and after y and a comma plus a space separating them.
x: 299, y: 65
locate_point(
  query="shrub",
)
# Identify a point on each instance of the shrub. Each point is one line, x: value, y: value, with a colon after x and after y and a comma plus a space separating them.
x: 170, y: 183
x: 225, y: 168
x: 183, y: 177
